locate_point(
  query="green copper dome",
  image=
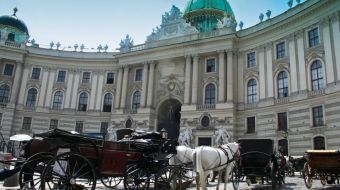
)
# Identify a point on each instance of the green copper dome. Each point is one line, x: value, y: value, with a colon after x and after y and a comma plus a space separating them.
x: 205, y: 14
x: 14, y: 22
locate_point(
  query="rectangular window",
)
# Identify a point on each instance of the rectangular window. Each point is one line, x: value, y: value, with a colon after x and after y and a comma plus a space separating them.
x: 86, y: 77
x: 26, y: 124
x: 282, y: 121
x: 8, y: 71
x: 53, y: 124
x: 250, y: 124
x: 313, y: 37
x: 61, y: 76
x: 280, y: 50
x: 318, y: 116
x: 103, y: 127
x: 110, y: 78
x: 204, y: 141
x: 251, y: 59
x: 35, y: 73
x: 211, y: 65
x: 79, y: 127
x: 139, y: 75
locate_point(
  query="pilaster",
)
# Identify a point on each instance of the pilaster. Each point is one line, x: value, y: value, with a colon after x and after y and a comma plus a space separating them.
x: 269, y: 61
x: 48, y: 95
x: 119, y: 87
x: 292, y: 60
x: 151, y: 83
x: 23, y: 85
x: 336, y: 41
x: 221, y: 76
x: 328, y: 51
x: 230, y: 77
x: 42, y: 93
x: 262, y: 74
x: 194, y: 79
x: 124, y: 88
x: 144, y: 85
x: 75, y: 90
x: 187, y: 79
x: 69, y: 88
x: 16, y: 83
x: 301, y: 61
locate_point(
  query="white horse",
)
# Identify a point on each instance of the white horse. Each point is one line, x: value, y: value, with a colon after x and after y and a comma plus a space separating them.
x: 206, y: 159
x: 183, y: 156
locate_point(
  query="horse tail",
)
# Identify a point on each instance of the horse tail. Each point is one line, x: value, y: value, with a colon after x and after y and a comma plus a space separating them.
x: 199, y: 167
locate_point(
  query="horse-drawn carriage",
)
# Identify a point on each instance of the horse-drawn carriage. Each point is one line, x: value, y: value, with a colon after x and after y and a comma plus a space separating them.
x: 322, y: 164
x: 257, y: 163
x: 58, y: 159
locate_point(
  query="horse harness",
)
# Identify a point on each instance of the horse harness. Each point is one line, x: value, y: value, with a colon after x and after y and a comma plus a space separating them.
x: 226, y: 153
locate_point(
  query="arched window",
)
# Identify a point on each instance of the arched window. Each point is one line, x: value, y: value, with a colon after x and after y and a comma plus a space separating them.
x: 10, y: 37
x: 31, y: 98
x: 210, y: 94
x: 316, y: 75
x: 58, y: 100
x: 282, y: 84
x: 4, y: 93
x: 83, y: 101
x: 107, y: 106
x: 252, y: 91
x: 319, y: 143
x: 136, y: 100
x: 284, y: 144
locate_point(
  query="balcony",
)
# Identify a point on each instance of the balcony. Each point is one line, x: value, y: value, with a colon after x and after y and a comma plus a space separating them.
x: 283, y: 100
x: 206, y: 107
x: 130, y: 111
x: 12, y: 44
x: 316, y: 93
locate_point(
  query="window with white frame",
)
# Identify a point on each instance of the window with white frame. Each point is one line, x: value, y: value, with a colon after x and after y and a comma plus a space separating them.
x: 103, y: 127
x: 252, y: 91
x: 251, y: 124
x: 211, y: 65
x: 31, y: 98
x: 53, y: 124
x: 107, y: 105
x: 139, y: 75
x: 316, y: 75
x: 210, y: 92
x: 79, y: 127
x: 319, y: 143
x: 36, y: 73
x: 282, y: 84
x: 9, y: 68
x: 280, y: 50
x: 83, y: 98
x: 61, y: 76
x: 282, y: 121
x: 4, y: 93
x: 318, y: 119
x: 251, y: 59
x: 58, y: 100
x: 86, y: 77
x: 136, y: 100
x: 110, y: 78
x: 313, y: 37
x: 26, y: 124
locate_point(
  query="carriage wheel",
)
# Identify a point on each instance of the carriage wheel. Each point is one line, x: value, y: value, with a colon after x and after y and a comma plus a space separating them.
x: 307, y: 175
x: 235, y: 177
x: 167, y: 178
x: 111, y: 182
x: 136, y: 178
x: 67, y: 170
x: 31, y: 170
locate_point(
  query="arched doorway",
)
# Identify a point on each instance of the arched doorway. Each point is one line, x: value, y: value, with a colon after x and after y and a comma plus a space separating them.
x: 169, y: 117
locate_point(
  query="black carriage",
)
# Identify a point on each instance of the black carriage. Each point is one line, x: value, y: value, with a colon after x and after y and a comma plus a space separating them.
x: 295, y: 164
x: 322, y: 164
x: 62, y: 160
x: 257, y: 163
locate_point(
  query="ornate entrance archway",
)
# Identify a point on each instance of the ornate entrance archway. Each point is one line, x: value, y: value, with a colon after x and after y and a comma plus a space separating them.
x: 169, y: 117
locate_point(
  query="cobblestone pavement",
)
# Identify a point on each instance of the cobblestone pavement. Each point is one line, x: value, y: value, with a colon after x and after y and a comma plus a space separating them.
x: 292, y: 183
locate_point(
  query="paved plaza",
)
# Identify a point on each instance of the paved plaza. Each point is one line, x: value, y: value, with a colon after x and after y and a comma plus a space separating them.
x: 292, y: 183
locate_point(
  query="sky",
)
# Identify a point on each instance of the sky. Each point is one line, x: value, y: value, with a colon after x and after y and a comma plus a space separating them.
x: 101, y: 22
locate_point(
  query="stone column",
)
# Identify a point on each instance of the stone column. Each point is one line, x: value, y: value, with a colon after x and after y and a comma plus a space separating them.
x: 100, y: 96
x: 93, y: 90
x: 124, y: 88
x: 49, y: 89
x: 230, y: 77
x: 336, y: 41
x: 144, y: 85
x: 194, y: 80
x: 68, y: 89
x: 240, y: 80
x: 301, y: 59
x: 293, y: 68
x: 187, y: 79
x: 75, y: 90
x: 42, y: 93
x: 262, y: 74
x: 221, y: 76
x: 270, y: 78
x: 119, y: 87
x: 151, y: 83
x: 328, y: 52
x: 23, y: 85
x: 16, y: 83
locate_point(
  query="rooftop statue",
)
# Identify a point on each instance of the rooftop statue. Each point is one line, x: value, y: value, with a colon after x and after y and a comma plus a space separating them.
x: 174, y: 14
x: 126, y: 44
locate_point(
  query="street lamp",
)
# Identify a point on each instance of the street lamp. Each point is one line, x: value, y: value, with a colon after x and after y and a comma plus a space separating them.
x: 164, y: 134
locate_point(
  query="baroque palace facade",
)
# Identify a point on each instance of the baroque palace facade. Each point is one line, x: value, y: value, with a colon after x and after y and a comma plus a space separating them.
x: 279, y: 79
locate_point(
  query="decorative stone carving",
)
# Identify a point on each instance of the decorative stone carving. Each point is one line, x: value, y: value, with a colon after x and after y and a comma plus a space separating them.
x: 279, y: 67
x: 221, y: 136
x: 126, y: 44
x: 313, y: 56
x: 185, y: 137
x: 112, y: 133
x: 251, y: 74
x: 170, y: 85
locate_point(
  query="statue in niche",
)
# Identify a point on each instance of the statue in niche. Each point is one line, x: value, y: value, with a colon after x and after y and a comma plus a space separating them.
x: 112, y: 134
x: 185, y: 137
x: 221, y: 136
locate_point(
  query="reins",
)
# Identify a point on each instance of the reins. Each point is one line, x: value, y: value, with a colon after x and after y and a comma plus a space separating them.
x: 226, y: 153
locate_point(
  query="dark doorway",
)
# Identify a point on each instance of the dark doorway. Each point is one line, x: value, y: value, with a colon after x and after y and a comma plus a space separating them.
x: 169, y: 117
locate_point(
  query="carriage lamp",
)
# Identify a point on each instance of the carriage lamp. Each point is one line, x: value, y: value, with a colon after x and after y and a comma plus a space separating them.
x: 164, y: 134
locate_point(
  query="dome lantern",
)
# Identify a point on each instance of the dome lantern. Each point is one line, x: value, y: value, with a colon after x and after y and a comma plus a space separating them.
x: 13, y: 29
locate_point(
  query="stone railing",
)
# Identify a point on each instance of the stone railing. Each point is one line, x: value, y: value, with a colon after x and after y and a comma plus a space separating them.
x: 316, y: 93
x: 206, y: 107
x: 138, y: 47
x: 130, y: 111
x: 250, y: 106
x: 3, y: 104
x: 12, y: 44
x: 284, y: 100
